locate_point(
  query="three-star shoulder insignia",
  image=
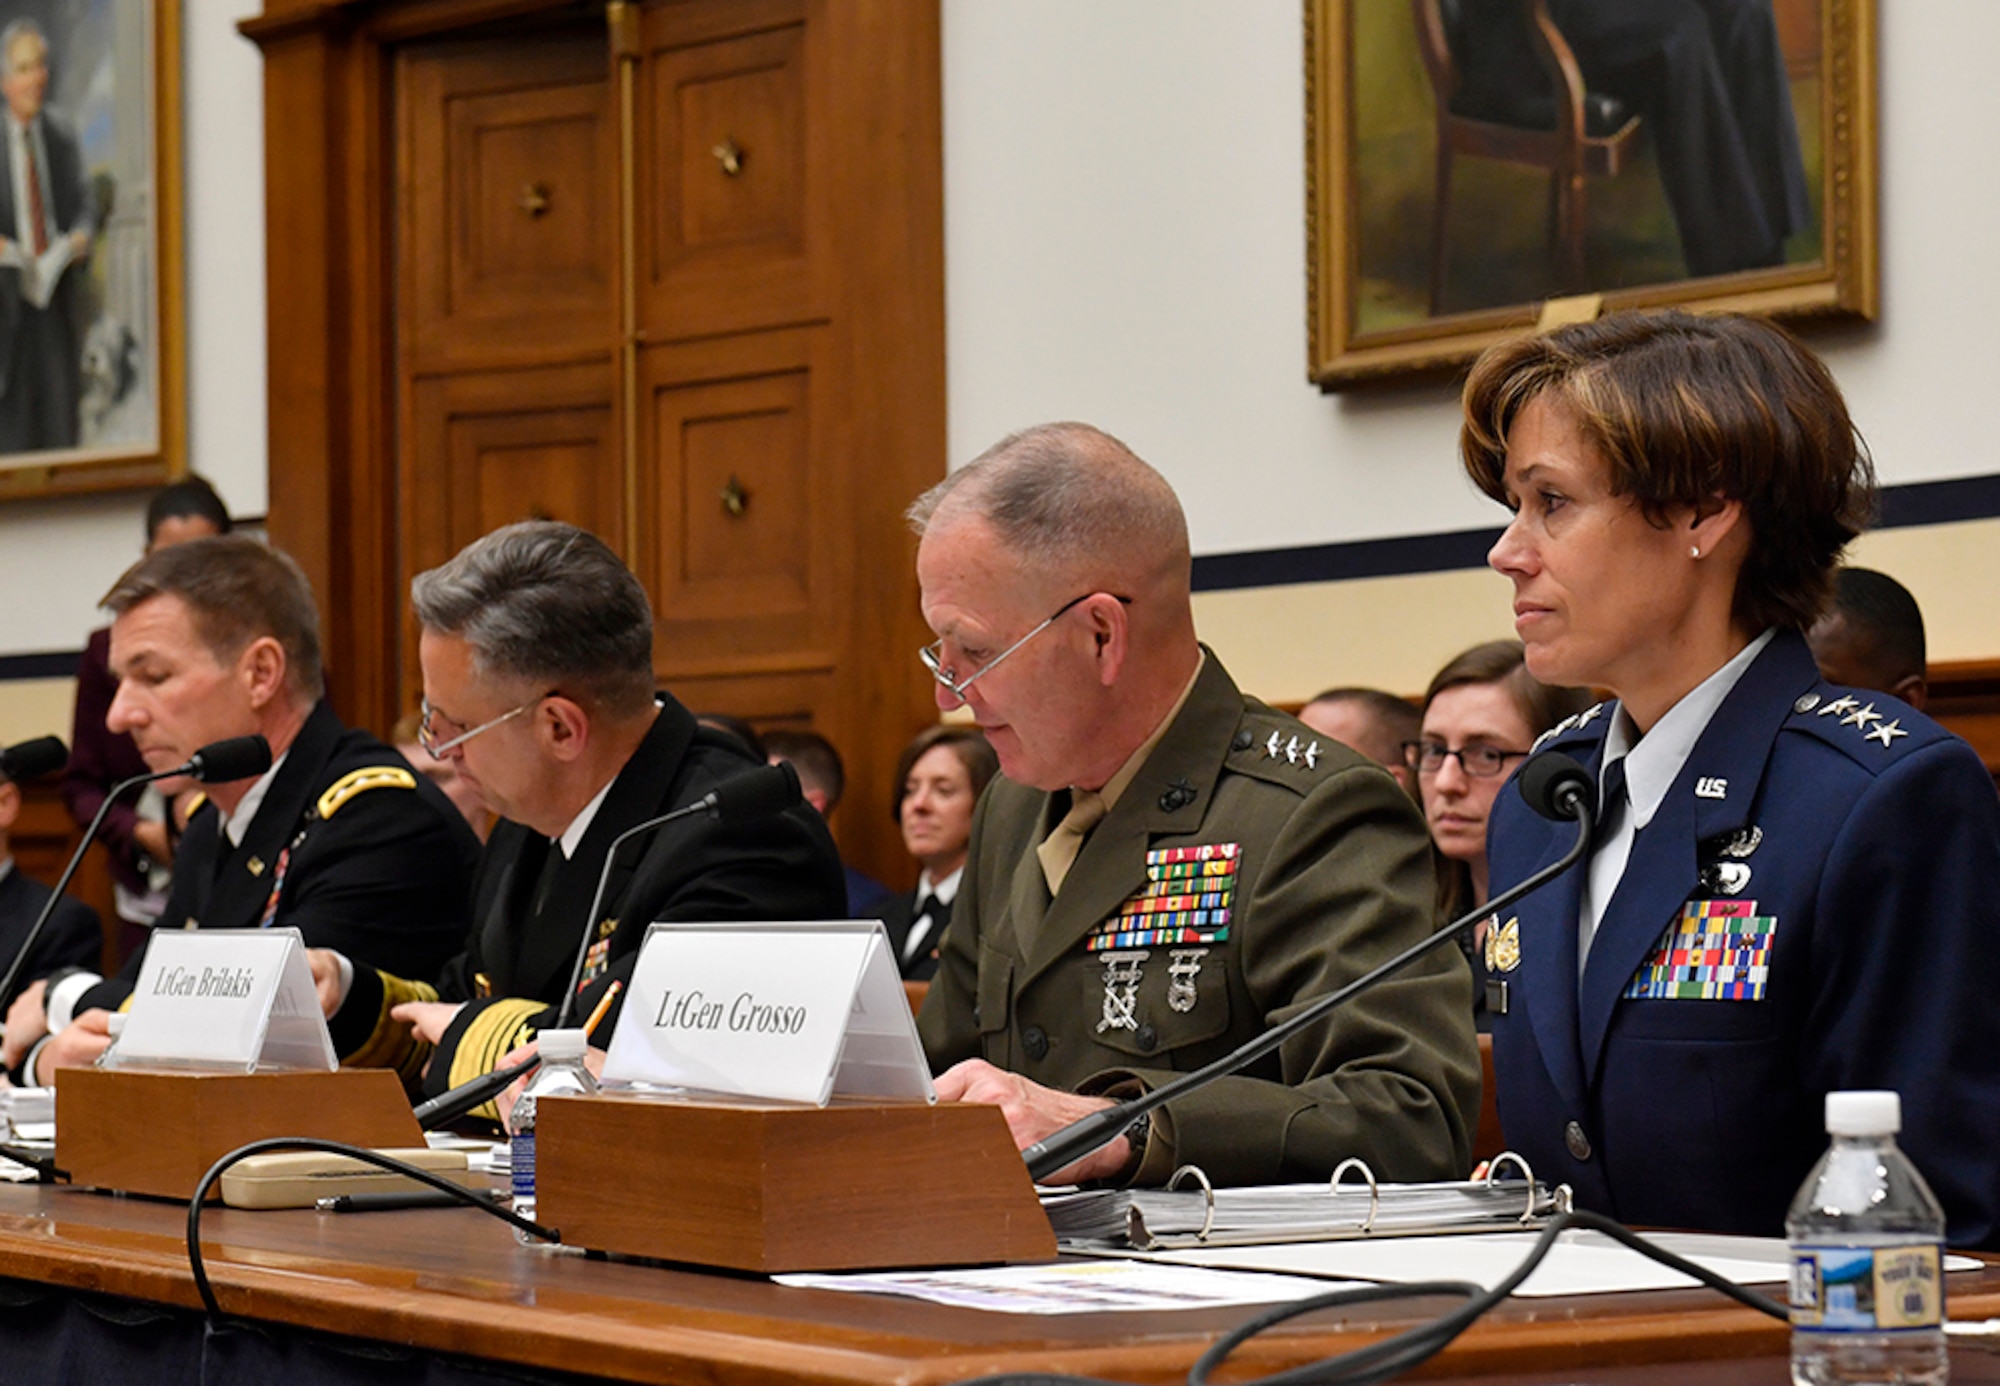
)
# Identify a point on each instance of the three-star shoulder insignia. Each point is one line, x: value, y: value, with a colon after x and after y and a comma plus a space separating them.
x: 360, y: 782
x: 1850, y: 711
x: 1574, y: 722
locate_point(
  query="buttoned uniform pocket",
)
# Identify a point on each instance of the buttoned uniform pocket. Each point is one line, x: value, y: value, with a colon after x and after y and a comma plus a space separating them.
x: 993, y: 1004
x: 1174, y: 1011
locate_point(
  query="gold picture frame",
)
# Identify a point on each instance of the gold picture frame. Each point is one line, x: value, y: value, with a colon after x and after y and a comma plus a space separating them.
x: 114, y: 95
x: 1382, y: 303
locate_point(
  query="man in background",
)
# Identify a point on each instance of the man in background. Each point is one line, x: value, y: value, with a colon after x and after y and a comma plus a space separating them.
x: 70, y: 939
x: 45, y: 236
x: 1369, y: 721
x: 1872, y: 636
x: 823, y: 779
x: 1164, y: 867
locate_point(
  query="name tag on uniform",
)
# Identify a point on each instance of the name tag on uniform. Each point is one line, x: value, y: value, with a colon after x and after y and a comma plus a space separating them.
x: 234, y: 1000
x: 792, y: 1012
x: 1718, y: 950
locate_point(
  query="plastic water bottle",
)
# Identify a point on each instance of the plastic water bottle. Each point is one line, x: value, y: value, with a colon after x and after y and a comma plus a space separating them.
x: 1867, y: 1249
x: 562, y: 1074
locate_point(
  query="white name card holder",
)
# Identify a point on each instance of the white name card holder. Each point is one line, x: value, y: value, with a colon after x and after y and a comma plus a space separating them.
x: 226, y: 1001
x: 788, y: 1012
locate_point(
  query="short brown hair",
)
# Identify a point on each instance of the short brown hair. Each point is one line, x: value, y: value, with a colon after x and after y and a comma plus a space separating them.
x: 1505, y: 662
x: 238, y: 590
x: 1685, y: 409
x: 968, y: 743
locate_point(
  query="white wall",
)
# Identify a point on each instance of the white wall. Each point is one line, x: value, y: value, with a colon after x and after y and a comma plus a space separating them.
x: 1125, y: 244
x: 58, y: 557
x: 1125, y: 231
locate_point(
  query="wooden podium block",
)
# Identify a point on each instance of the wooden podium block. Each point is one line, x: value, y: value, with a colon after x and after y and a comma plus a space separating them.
x: 157, y: 1131
x: 853, y: 1186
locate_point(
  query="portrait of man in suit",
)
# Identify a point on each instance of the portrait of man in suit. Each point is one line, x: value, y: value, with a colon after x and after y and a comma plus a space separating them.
x: 46, y: 236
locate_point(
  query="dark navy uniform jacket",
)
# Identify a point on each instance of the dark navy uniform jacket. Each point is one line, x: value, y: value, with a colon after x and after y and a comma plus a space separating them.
x: 1859, y: 843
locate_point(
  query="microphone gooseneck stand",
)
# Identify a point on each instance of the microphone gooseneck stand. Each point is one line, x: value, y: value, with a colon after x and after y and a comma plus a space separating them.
x: 1554, y: 785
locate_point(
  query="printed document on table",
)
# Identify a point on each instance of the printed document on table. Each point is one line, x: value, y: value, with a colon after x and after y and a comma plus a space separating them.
x: 1074, y: 1287
x: 1580, y: 1263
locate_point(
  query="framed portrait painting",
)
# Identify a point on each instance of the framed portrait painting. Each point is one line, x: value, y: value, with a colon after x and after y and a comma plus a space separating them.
x: 91, y: 327
x: 1476, y: 168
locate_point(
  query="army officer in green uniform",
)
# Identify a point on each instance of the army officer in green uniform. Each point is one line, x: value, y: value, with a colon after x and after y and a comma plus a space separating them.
x: 1166, y: 867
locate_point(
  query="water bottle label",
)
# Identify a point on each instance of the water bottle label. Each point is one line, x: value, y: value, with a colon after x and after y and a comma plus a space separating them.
x: 521, y: 1158
x: 1846, y: 1289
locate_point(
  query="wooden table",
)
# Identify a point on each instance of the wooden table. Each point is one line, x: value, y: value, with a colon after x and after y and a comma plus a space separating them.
x: 454, y: 1282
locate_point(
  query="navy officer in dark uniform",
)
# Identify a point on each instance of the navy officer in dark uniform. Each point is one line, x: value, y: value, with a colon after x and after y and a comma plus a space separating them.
x: 339, y: 838
x: 537, y: 655
x: 1795, y: 887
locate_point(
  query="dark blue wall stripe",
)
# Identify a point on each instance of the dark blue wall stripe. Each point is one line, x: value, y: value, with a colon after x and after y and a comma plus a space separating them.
x: 59, y: 664
x: 1922, y: 503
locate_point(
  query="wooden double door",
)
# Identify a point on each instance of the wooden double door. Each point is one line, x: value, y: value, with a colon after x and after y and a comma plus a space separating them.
x: 671, y: 271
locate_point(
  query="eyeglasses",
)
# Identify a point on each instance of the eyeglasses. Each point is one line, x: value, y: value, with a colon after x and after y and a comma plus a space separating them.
x: 427, y: 735
x: 933, y: 654
x: 1478, y: 760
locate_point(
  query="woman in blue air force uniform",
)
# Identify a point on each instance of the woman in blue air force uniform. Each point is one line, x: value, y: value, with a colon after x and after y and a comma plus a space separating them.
x: 1796, y: 887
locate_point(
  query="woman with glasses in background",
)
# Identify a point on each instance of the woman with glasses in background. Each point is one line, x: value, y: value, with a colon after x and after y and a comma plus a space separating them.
x: 1481, y: 713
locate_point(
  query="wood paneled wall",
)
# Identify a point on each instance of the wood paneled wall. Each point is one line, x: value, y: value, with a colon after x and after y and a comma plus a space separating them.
x: 708, y: 324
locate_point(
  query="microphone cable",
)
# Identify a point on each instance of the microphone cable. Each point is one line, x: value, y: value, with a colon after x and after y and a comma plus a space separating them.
x: 1402, y: 1352
x: 430, y: 1179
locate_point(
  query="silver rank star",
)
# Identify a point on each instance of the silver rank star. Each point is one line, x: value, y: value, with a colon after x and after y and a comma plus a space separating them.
x: 1589, y: 714
x: 1861, y: 717
x: 1121, y: 990
x: 1839, y: 705
x: 1292, y: 751
x: 1312, y: 756
x: 1885, y: 733
x: 1275, y: 746
x: 1181, y: 972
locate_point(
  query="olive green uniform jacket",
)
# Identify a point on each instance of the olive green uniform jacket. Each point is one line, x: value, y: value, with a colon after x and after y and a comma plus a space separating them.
x: 1332, y: 876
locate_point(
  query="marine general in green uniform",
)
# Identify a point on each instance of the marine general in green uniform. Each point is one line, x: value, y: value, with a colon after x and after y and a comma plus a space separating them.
x: 1166, y: 867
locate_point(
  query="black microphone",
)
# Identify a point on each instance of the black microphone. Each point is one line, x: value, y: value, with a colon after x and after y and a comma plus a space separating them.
x: 30, y: 760
x: 1559, y: 790
x: 751, y: 794
x: 449, y: 1106
x: 219, y: 762
x: 1557, y: 787
x: 238, y: 758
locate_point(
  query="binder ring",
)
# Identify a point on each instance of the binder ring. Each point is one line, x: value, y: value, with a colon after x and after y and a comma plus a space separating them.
x: 1508, y: 1157
x: 1374, y: 1193
x: 1207, y: 1195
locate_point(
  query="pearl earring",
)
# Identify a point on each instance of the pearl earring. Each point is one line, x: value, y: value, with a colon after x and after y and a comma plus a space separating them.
x: 1694, y: 551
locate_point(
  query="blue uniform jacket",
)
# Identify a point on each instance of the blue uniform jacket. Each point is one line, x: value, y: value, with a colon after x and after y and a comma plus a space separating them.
x: 1857, y: 844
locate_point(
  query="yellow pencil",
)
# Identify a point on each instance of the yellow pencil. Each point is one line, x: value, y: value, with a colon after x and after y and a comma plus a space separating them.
x: 603, y: 1005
